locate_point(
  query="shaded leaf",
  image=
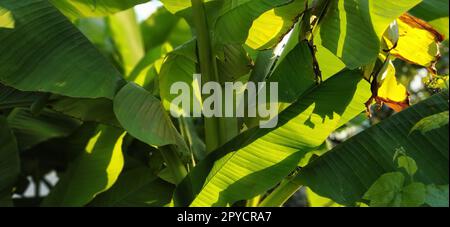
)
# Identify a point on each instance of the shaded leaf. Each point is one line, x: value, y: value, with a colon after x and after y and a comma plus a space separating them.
x: 32, y: 130
x: 144, y: 117
x: 95, y: 110
x: 9, y: 163
x: 10, y: 97
x: 369, y: 155
x: 432, y: 122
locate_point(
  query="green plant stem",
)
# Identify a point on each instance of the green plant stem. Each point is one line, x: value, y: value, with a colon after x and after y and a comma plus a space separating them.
x: 215, y: 128
x: 282, y: 193
x: 174, y: 163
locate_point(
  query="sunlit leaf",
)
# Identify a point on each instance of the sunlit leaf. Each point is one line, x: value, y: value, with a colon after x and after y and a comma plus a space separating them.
x: 93, y: 8
x: 315, y: 200
x: 127, y: 37
x: 93, y: 172
x: 391, y: 92
x: 418, y: 43
x: 6, y: 18
x: 258, y: 159
x: 372, y: 155
x: 352, y: 30
x: 236, y: 18
x: 136, y: 188
x: 390, y: 191
x: 43, y: 39
x: 270, y: 27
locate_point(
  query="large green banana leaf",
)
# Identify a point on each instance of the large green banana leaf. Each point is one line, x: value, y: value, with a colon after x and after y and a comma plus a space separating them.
x: 431, y: 9
x: 162, y: 26
x: 329, y: 64
x: 46, y: 45
x: 127, y: 37
x: 94, y: 171
x: 93, y: 8
x: 144, y: 117
x: 352, y: 30
x: 295, y: 74
x: 347, y: 172
x: 9, y: 163
x: 435, y: 12
x: 257, y: 160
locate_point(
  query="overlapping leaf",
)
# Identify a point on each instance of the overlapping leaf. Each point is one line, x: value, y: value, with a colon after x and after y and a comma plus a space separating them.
x: 352, y: 30
x: 270, y: 27
x: 93, y: 172
x: 32, y: 130
x: 257, y: 160
x: 137, y: 188
x: 42, y: 39
x: 93, y: 8
x: 127, y: 37
x: 418, y: 43
x: 347, y: 172
x: 144, y: 117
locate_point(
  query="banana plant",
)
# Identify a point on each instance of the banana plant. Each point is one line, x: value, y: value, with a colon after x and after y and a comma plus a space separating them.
x: 89, y: 116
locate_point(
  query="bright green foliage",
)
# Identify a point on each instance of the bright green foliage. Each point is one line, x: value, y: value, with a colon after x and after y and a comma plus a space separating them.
x: 37, y: 55
x: 372, y: 156
x: 272, y: 154
x: 390, y: 190
x: 89, y: 8
x: 85, y: 95
x: 136, y: 187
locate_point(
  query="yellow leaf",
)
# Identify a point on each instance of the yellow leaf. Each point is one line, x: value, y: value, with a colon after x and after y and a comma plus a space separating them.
x: 418, y: 43
x: 391, y: 92
x: 391, y: 89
